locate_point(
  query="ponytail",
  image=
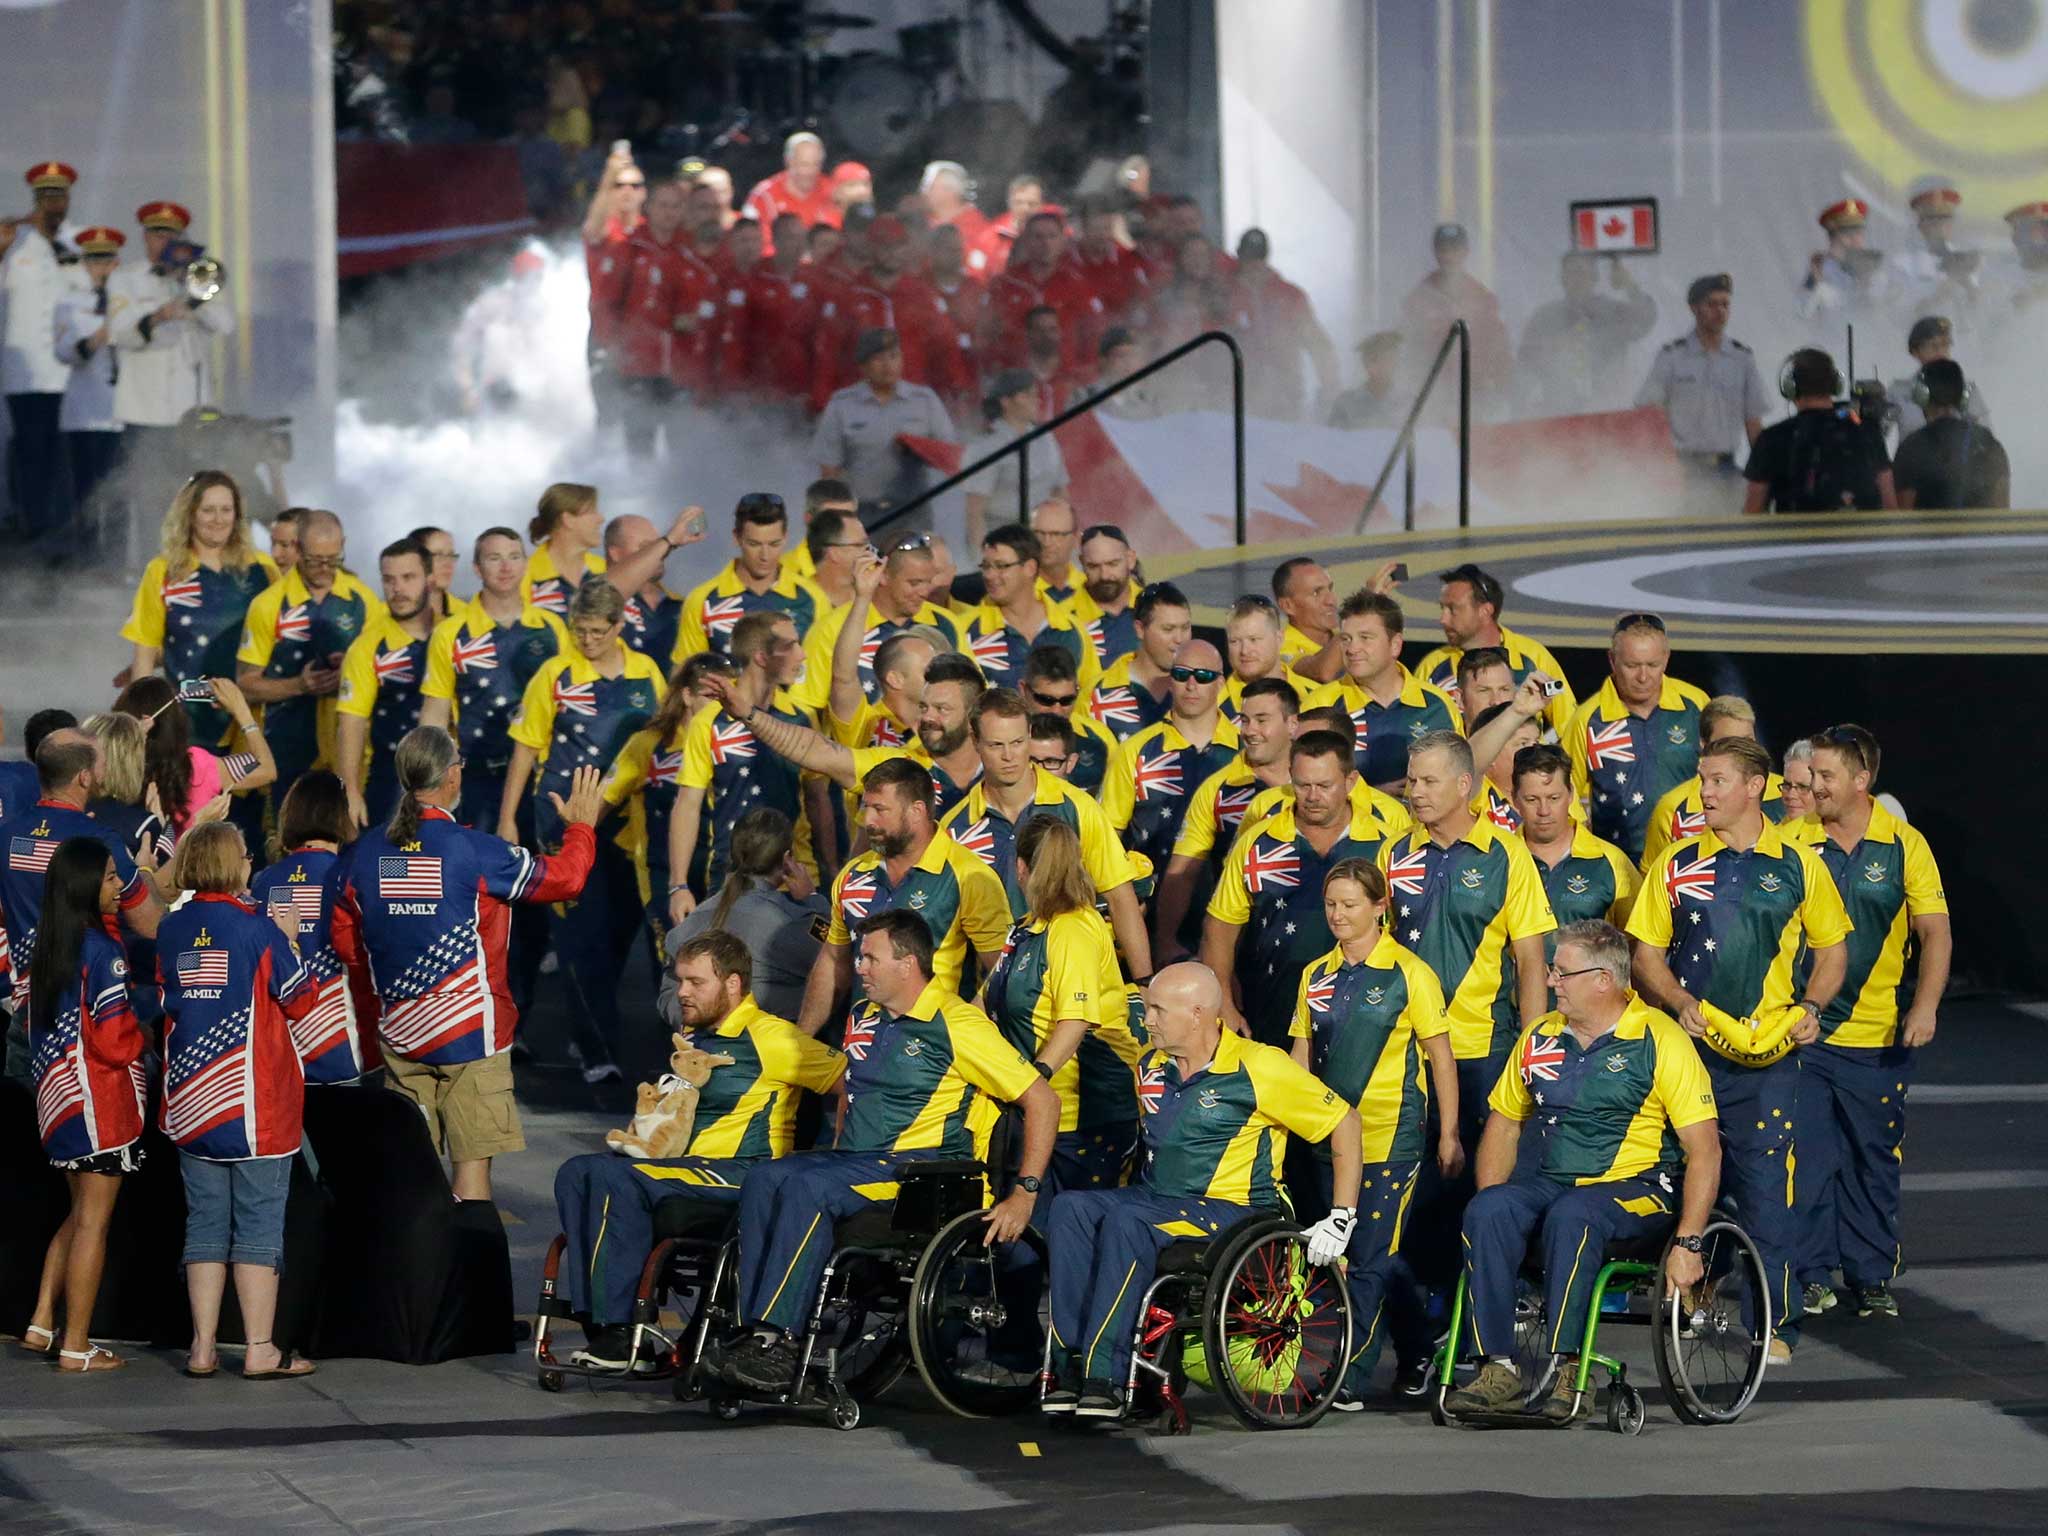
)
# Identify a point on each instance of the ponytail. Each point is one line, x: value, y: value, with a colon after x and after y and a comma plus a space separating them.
x: 759, y: 844
x: 423, y: 762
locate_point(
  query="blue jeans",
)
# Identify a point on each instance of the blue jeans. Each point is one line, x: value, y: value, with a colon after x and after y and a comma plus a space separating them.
x: 234, y: 1212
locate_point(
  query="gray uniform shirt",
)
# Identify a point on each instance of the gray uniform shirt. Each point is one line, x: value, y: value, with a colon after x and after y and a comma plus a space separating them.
x: 1707, y: 395
x: 781, y: 934
x: 858, y: 432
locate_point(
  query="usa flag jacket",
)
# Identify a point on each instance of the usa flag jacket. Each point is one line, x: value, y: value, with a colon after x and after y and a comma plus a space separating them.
x: 298, y: 893
x: 91, y: 1085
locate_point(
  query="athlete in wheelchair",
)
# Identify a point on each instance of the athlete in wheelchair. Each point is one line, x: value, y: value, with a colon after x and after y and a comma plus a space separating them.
x: 1621, y: 1101
x: 1200, y: 1248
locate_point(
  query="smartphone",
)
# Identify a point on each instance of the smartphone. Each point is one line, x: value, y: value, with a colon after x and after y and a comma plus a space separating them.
x: 694, y: 523
x: 1400, y: 571
x: 622, y: 147
x: 195, y: 690
x: 874, y: 552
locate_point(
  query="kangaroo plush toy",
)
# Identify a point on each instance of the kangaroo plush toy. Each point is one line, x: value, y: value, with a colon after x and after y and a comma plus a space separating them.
x: 666, y: 1112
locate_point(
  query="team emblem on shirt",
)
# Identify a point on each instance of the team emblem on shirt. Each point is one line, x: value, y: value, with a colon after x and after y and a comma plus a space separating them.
x: 1676, y: 735
x: 1374, y: 996
x: 1470, y: 878
x: 1770, y: 882
x: 1618, y: 1062
x: 1578, y: 885
x: 1208, y: 1098
x: 917, y: 900
x: 1875, y: 873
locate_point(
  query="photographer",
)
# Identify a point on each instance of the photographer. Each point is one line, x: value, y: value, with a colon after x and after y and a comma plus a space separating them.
x: 1826, y: 458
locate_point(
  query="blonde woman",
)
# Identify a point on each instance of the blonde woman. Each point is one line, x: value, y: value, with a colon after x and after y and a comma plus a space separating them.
x: 194, y: 595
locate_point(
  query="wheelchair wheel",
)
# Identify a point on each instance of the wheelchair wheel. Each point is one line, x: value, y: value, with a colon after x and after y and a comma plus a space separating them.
x: 1625, y: 1410
x: 976, y: 1323
x: 1712, y: 1342
x: 1276, y: 1330
x: 873, y: 1353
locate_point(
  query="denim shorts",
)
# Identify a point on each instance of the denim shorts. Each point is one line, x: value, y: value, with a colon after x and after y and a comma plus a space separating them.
x: 234, y: 1212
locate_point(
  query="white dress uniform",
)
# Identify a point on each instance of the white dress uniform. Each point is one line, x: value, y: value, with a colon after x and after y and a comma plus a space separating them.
x: 167, y: 368
x: 34, y: 275
x: 89, y: 389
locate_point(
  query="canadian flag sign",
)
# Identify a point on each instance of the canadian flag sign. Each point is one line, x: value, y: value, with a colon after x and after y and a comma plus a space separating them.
x: 1627, y: 225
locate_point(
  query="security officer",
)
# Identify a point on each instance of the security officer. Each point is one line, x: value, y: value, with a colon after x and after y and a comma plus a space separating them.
x: 1717, y: 924
x: 856, y: 439
x: 746, y: 1112
x: 166, y: 340
x: 38, y: 252
x: 1853, y: 1080
x: 1931, y: 339
x: 1825, y: 457
x: 381, y: 676
x: 1847, y: 280
x: 917, y: 1056
x: 85, y: 344
x: 1708, y: 385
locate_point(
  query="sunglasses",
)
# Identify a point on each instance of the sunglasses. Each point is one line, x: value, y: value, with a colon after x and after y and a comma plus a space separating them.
x: 1056, y: 701
x: 915, y: 542
x: 755, y: 499
x: 1105, y: 531
x: 1631, y: 620
x: 1194, y: 674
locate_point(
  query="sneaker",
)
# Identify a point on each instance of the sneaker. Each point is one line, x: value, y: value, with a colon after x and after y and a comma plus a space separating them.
x: 1065, y: 1394
x: 1496, y: 1389
x: 1412, y: 1377
x: 1817, y: 1298
x: 1780, y: 1351
x: 1563, y: 1403
x: 1876, y: 1301
x: 1347, y: 1401
x: 1099, y: 1400
x: 603, y: 1072
x: 765, y: 1367
x: 609, y: 1350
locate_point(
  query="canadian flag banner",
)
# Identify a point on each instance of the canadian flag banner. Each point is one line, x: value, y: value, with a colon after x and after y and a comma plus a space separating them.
x: 1625, y: 226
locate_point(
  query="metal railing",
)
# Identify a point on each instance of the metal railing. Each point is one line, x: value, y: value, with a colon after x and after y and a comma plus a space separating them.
x: 1021, y: 446
x: 1404, y: 444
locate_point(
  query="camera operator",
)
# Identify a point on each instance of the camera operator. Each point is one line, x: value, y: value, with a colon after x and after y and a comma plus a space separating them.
x: 1826, y: 458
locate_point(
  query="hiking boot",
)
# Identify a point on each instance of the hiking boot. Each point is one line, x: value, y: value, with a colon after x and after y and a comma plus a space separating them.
x: 765, y: 1367
x: 1496, y: 1389
x: 1876, y: 1301
x: 1780, y: 1351
x: 1099, y: 1400
x: 1563, y: 1403
x: 1818, y: 1297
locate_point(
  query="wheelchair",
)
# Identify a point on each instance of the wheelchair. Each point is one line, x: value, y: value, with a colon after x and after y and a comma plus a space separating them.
x: 1710, y: 1344
x: 908, y: 1281
x: 1245, y: 1314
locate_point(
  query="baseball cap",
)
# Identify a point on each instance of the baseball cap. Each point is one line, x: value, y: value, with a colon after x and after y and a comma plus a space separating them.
x: 1928, y: 328
x: 873, y: 343
x: 1713, y: 282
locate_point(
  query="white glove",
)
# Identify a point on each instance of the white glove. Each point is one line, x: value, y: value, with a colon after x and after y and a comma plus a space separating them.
x: 1328, y: 1238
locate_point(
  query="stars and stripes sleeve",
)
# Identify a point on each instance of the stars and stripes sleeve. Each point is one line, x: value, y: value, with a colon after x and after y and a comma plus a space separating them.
x: 1924, y: 895
x: 1120, y: 783
x: 440, y: 680
x: 1680, y: 1080
x: 696, y: 770
x: 135, y: 885
x: 114, y: 1037
x: 295, y: 987
x: 1821, y: 911
x: 1510, y: 1095
x: 1650, y: 918
x: 510, y: 873
x: 145, y: 624
x: 629, y: 769
x: 1232, y: 902
x: 358, y: 695
x: 259, y: 628
x: 1293, y: 1097
x: 534, y: 724
x: 1528, y: 907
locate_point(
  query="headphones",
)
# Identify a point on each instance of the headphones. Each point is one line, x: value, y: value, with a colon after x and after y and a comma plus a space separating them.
x: 1922, y: 394
x: 1790, y: 391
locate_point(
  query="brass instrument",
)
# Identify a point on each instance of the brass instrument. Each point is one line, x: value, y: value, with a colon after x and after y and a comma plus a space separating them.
x: 204, y: 279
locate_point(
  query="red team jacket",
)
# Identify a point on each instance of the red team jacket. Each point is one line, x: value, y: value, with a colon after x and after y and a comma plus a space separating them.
x: 664, y: 283
x: 298, y: 892
x: 423, y: 930
x: 91, y: 1087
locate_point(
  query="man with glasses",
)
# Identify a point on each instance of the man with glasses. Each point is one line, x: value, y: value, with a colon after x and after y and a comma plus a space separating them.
x: 1853, y: 1080
x: 752, y: 582
x: 1622, y: 1105
x: 1052, y: 687
x: 859, y: 436
x: 833, y: 546
x: 293, y: 640
x: 820, y: 497
x: 1134, y: 693
x: 1153, y: 774
x: 1015, y: 620
x: 1105, y: 603
x: 1252, y: 632
x: 1054, y: 522
x: 1638, y: 738
x: 1718, y: 924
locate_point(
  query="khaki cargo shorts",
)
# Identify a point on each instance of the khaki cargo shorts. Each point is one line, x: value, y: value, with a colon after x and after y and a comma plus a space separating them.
x: 468, y: 1106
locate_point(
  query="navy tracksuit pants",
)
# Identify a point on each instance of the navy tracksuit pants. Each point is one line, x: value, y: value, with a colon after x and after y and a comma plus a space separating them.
x: 606, y: 1205
x: 1756, y: 1106
x: 1578, y: 1222
x: 1370, y: 1271
x: 788, y: 1209
x: 1852, y: 1131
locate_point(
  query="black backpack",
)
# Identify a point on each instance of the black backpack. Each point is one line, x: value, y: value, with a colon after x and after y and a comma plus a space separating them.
x: 1832, y: 468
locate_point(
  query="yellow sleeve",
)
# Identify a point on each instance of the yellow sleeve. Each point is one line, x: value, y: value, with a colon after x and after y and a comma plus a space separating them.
x: 145, y: 624
x: 1510, y: 1095
x: 1681, y: 1078
x: 816, y: 687
x: 534, y: 725
x: 696, y: 770
x: 1293, y: 1097
x: 1627, y: 878
x: 1073, y: 974
x: 1528, y: 908
x: 984, y: 904
x: 867, y: 759
x: 1572, y: 741
x: 690, y: 636
x: 1300, y: 1028
x: 1389, y: 810
x: 440, y: 683
x: 1650, y: 918
x: 1232, y: 901
x: 629, y: 769
x: 1924, y: 894
x: 1120, y: 783
x: 838, y: 933
x: 798, y: 1059
x: 1427, y: 1013
x: 259, y: 628
x: 358, y: 695
x: 947, y: 622
x: 1197, y: 835
x: 1101, y: 854
x: 1657, y: 834
x: 1822, y: 914
x: 1557, y: 714
x: 1449, y: 703
x: 984, y: 1057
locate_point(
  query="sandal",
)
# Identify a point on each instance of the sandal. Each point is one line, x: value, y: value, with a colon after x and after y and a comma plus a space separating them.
x: 91, y: 1358
x: 286, y: 1367
x: 201, y: 1372
x: 28, y: 1339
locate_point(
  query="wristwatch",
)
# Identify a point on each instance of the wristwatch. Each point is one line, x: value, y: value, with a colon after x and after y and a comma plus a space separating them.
x: 1692, y: 1243
x: 1043, y: 1069
x: 1028, y: 1184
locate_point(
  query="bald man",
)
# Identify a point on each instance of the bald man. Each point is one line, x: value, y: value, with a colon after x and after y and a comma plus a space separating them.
x: 653, y: 613
x: 1152, y: 775
x: 1201, y: 1092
